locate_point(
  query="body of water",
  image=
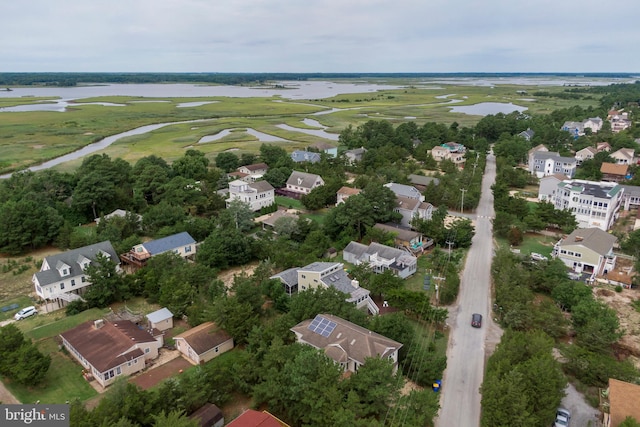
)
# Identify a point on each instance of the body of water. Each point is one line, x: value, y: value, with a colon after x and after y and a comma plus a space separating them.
x: 263, y: 137
x: 315, y: 132
x: 486, y: 108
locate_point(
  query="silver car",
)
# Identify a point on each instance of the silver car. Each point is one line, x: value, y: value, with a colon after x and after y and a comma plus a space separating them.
x: 563, y: 417
x: 25, y: 312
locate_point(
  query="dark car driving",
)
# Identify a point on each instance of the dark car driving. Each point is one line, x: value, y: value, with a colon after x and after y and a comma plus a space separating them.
x: 476, y: 320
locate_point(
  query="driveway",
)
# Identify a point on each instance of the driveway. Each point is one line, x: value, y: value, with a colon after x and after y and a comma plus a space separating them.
x: 6, y: 396
x: 154, y: 376
x: 581, y: 412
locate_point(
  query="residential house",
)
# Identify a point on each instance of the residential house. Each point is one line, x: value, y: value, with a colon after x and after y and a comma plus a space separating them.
x: 381, y: 258
x: 119, y: 213
x: 586, y: 153
x: 549, y: 185
x: 252, y: 173
x: 109, y: 350
x: 303, y: 183
x: 208, y: 415
x: 300, y: 156
x: 594, y: 204
x: 269, y: 221
x: 181, y: 244
x: 449, y: 151
x: 587, y: 250
x: 202, y: 343
x: 619, y: 121
x: 624, y: 156
x: 527, y: 134
x: 619, y: 401
x: 603, y: 146
x: 355, y: 155
x: 346, y: 343
x: 323, y: 147
x: 253, y: 418
x: 543, y: 163
x: 325, y: 275
x: 408, y: 191
x: 613, y: 172
x: 411, y: 209
x: 344, y: 193
x: 160, y: 319
x: 421, y: 182
x: 258, y: 194
x: 577, y: 128
x: 409, y: 239
x: 630, y: 197
x: 62, y: 277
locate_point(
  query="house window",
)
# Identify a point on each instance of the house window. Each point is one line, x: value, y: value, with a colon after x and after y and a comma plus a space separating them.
x: 118, y: 370
x: 65, y: 272
x: 83, y: 279
x: 187, y: 249
x: 61, y: 285
x: 73, y: 282
x: 146, y: 350
x: 216, y: 349
x: 109, y: 374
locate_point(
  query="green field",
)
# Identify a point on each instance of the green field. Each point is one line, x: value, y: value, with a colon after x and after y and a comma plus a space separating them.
x: 29, y: 138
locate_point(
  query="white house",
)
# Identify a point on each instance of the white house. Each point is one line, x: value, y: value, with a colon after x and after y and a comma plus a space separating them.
x: 381, y: 258
x: 160, y: 319
x: 303, y: 183
x: 202, y: 343
x: 543, y: 163
x: 549, y: 185
x: 258, y: 194
x: 411, y: 209
x: 594, y: 204
x: 586, y: 153
x: 624, y: 156
x: 326, y: 274
x: 62, y: 278
x: 344, y: 193
x: 587, y: 250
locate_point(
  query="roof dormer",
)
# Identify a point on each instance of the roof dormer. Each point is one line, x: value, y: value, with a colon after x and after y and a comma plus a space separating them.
x: 63, y: 268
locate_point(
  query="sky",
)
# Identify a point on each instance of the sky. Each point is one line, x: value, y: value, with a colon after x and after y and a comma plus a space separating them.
x: 301, y: 36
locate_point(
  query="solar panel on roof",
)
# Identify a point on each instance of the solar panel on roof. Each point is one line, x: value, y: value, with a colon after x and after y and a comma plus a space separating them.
x: 322, y: 326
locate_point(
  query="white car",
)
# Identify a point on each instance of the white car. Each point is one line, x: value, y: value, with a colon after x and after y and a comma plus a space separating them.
x: 25, y: 312
x: 538, y: 257
x: 563, y: 416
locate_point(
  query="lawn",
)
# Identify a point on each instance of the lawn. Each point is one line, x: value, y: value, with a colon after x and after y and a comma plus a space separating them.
x: 63, y: 382
x: 22, y: 301
x: 50, y: 325
x: 289, y: 203
x: 533, y: 242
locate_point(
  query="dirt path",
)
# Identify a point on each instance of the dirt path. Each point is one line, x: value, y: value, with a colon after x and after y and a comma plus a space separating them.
x: 582, y: 414
x: 6, y: 396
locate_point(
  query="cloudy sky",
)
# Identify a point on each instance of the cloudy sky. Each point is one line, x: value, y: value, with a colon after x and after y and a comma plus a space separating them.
x: 320, y: 35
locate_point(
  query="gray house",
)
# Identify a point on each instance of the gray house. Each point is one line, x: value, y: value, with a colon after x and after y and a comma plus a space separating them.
x: 543, y: 163
x: 381, y: 258
x: 300, y: 156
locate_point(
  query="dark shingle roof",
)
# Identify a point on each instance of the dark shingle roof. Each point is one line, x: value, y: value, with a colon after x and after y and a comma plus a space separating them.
x: 168, y: 243
x: 204, y: 337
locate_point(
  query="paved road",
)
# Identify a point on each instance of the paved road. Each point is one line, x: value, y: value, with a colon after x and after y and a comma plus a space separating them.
x: 460, y: 400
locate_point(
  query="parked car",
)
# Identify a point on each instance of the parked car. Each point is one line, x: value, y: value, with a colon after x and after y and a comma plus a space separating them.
x: 25, y: 312
x: 538, y: 257
x: 563, y: 417
x: 476, y: 320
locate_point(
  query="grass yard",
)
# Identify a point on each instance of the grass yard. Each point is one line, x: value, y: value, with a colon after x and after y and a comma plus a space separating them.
x: 63, y: 382
x: 289, y: 203
x: 539, y: 243
x: 22, y: 301
x: 50, y: 325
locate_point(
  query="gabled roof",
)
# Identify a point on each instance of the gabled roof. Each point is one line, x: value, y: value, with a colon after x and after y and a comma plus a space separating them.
x: 595, y: 239
x: 406, y: 235
x: 346, y: 340
x: 349, y: 191
x: 168, y: 243
x: 626, y: 153
x: 623, y: 401
x: 402, y: 259
x: 589, y: 149
x: 407, y: 203
x: 208, y: 415
x: 614, y: 169
x: 556, y: 176
x: 305, y: 156
x: 252, y: 418
x: 539, y: 147
x: 71, y: 259
x: 423, y: 180
x: 553, y: 155
x: 280, y: 213
x: 204, y: 337
x: 528, y: 134
x: 261, y: 186
x: 255, y: 167
x: 160, y: 315
x: 108, y: 346
x: 404, y: 190
x: 302, y: 179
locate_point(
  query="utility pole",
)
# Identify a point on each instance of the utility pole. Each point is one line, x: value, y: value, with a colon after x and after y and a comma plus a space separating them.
x: 449, y: 243
x: 462, y: 203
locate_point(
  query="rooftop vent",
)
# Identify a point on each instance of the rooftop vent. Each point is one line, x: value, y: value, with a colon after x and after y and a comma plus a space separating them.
x: 98, y: 323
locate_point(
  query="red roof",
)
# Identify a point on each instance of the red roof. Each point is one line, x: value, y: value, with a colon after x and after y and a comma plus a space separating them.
x: 251, y: 418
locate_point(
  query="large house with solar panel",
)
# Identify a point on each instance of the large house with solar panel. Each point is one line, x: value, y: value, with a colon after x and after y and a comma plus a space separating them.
x: 62, y: 277
x: 326, y: 274
x: 344, y: 342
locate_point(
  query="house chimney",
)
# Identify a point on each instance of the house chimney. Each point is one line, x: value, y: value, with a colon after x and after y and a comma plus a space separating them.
x: 98, y: 323
x: 355, y: 283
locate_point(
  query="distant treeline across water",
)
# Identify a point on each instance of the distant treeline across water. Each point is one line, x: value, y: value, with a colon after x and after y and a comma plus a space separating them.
x: 73, y: 79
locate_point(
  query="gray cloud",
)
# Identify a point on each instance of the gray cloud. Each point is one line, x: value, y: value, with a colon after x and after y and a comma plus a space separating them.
x: 318, y: 35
